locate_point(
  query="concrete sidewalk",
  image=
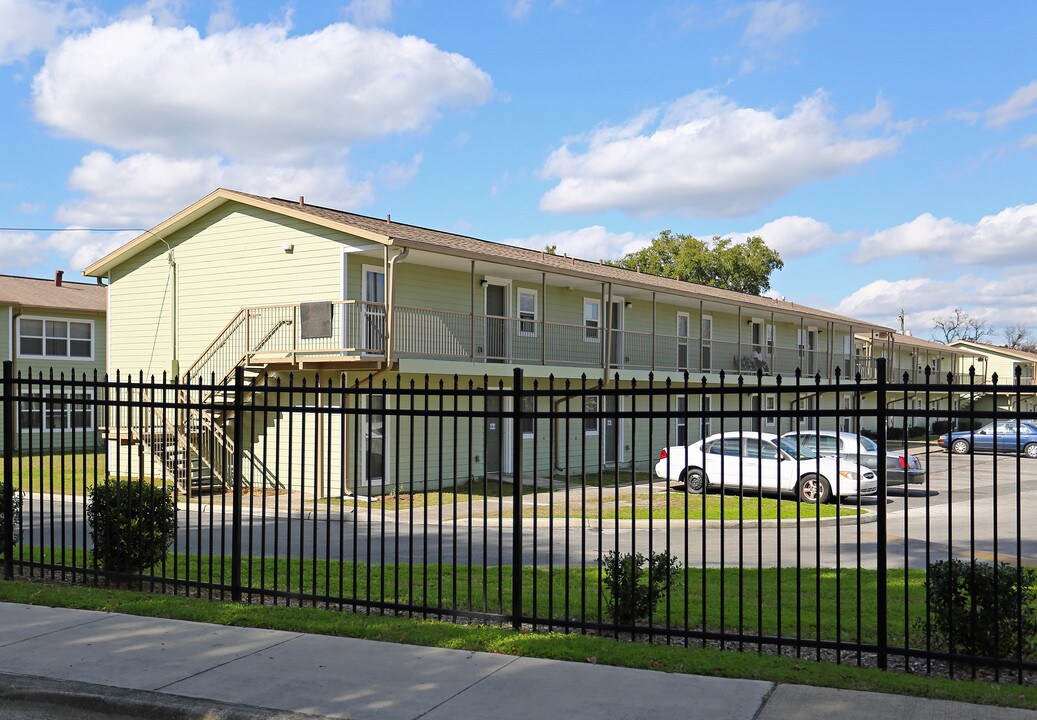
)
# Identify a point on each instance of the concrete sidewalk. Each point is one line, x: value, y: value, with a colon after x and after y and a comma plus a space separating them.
x: 83, y: 662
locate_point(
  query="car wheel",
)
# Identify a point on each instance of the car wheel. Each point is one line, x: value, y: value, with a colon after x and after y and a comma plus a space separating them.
x: 960, y: 447
x: 1031, y: 450
x: 694, y: 481
x: 814, y: 489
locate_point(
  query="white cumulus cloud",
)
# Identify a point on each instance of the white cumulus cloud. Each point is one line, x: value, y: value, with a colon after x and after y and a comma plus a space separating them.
x: 997, y: 300
x: 255, y: 94
x: 142, y: 189
x: 796, y: 236
x: 1008, y: 236
x: 704, y: 155
x: 589, y: 243
x: 30, y: 25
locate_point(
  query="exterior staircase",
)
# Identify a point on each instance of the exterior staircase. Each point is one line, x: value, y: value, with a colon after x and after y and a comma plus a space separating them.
x: 196, y: 448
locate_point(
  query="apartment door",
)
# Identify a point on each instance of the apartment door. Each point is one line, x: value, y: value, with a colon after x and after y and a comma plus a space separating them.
x: 373, y: 326
x: 496, y: 323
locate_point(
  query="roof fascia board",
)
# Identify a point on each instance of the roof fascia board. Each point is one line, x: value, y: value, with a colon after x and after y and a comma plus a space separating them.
x: 206, y: 205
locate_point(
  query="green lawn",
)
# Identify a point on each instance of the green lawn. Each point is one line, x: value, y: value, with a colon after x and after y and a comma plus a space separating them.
x: 809, y: 603
x: 68, y: 474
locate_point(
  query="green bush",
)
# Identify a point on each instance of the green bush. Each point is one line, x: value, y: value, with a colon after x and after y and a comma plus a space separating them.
x: 982, y: 609
x: 632, y: 590
x: 132, y: 524
x: 10, y: 527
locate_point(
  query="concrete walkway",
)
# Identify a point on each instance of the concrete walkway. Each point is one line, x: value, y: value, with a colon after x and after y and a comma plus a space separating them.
x: 57, y: 663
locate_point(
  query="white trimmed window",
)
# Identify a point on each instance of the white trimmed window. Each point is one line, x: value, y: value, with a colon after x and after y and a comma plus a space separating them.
x: 591, y: 403
x: 56, y: 409
x: 683, y: 331
x: 58, y: 339
x: 770, y: 404
x: 528, y: 416
x: 591, y: 320
x: 527, y: 311
x: 680, y: 422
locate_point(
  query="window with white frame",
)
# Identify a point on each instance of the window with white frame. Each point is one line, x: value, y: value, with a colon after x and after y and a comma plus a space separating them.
x: 845, y: 421
x: 591, y: 320
x: 528, y: 416
x: 770, y: 405
x: 707, y: 421
x: 683, y: 330
x: 527, y: 311
x: 680, y: 422
x: 57, y: 409
x: 591, y: 403
x: 59, y: 339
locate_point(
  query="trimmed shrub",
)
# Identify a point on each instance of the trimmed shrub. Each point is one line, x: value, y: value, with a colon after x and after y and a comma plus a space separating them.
x: 10, y: 527
x: 132, y: 524
x: 982, y: 609
x: 632, y: 590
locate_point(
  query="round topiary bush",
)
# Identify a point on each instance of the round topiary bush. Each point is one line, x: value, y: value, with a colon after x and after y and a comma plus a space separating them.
x: 132, y: 524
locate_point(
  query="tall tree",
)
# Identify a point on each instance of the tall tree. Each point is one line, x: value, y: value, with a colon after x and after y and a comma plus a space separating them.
x: 1019, y: 337
x: 961, y: 326
x: 744, y: 267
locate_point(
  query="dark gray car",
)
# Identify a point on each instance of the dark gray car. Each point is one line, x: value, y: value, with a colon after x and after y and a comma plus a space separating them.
x: 901, y: 469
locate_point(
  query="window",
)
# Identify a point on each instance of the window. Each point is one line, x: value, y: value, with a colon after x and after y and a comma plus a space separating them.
x: 528, y: 416
x: 683, y: 330
x: 39, y: 337
x: 707, y: 343
x: 590, y: 421
x: 527, y: 311
x: 707, y: 421
x: 591, y: 320
x: 770, y: 405
x: 680, y: 422
x: 55, y: 409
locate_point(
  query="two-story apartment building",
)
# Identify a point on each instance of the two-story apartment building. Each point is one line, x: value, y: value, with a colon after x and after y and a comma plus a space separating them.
x: 281, y: 286
x: 1004, y: 364
x: 52, y: 329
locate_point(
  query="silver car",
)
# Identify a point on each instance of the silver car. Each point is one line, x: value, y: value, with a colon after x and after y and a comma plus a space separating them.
x: 901, y: 468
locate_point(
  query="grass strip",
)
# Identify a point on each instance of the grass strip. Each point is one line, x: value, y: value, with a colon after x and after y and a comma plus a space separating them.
x: 553, y: 646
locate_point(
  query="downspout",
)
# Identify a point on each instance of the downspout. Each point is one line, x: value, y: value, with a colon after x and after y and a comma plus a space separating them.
x: 175, y: 361
x: 391, y: 309
x: 14, y: 312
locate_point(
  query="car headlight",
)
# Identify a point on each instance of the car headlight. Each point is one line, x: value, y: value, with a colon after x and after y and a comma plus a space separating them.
x: 848, y: 474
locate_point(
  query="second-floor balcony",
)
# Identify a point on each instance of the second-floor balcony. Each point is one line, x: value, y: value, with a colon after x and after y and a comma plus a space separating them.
x: 313, y: 332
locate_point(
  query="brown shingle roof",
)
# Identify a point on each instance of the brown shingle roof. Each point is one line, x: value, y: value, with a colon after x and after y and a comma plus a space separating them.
x: 436, y: 240
x: 43, y: 294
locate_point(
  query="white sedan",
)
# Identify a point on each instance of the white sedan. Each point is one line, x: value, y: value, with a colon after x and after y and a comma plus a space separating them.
x: 756, y: 459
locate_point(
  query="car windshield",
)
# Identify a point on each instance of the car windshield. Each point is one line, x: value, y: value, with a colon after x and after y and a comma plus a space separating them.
x: 797, y: 451
x: 868, y: 444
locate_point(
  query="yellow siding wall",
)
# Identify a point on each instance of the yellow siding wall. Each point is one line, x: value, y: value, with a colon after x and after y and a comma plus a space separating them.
x: 232, y: 258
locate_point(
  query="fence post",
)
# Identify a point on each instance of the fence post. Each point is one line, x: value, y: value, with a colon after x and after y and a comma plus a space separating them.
x: 516, y: 501
x: 881, y: 416
x: 239, y: 406
x: 8, y: 525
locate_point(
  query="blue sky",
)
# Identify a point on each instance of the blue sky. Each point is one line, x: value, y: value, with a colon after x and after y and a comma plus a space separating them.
x: 887, y: 149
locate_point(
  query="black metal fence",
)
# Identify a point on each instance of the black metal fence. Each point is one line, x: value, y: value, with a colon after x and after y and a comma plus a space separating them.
x: 529, y: 501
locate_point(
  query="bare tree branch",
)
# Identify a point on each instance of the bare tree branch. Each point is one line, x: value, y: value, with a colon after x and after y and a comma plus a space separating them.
x: 961, y: 326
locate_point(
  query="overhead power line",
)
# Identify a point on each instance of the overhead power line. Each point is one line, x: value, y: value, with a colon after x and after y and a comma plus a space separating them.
x: 68, y: 229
